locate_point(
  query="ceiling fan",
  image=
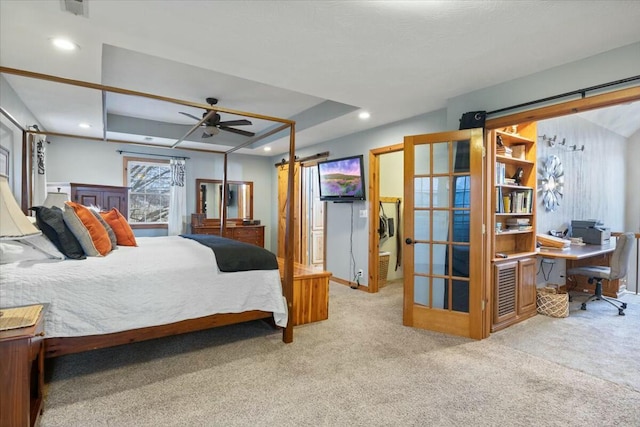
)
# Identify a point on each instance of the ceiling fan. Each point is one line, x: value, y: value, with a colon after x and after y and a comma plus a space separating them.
x: 213, y: 125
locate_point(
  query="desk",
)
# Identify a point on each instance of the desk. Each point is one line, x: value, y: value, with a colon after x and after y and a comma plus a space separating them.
x: 577, y: 256
x: 576, y: 252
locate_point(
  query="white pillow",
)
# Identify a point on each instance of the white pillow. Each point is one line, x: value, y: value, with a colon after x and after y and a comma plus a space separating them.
x: 35, y: 248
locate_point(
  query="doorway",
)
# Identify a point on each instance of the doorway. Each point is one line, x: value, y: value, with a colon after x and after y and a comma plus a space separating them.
x: 309, y: 214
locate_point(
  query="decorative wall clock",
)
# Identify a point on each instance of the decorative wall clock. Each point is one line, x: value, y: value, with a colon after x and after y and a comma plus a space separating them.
x: 551, y: 182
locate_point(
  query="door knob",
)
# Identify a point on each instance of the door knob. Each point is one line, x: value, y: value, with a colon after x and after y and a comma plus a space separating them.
x: 408, y: 241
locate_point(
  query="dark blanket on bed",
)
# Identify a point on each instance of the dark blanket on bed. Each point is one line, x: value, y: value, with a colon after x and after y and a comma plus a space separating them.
x: 233, y: 255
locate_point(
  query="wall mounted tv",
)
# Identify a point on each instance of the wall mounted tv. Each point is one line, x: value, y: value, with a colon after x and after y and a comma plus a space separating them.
x: 342, y: 180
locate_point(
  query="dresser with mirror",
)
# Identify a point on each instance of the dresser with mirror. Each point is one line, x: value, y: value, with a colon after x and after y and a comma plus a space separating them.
x: 239, y: 211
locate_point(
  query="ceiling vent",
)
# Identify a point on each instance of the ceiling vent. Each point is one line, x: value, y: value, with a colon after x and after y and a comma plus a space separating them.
x: 77, y: 7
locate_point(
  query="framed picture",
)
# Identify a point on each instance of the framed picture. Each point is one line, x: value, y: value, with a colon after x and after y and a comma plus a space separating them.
x: 4, y: 161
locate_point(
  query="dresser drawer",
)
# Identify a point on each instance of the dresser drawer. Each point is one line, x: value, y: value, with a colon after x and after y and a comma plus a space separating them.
x: 252, y: 235
x: 206, y: 230
x: 246, y: 233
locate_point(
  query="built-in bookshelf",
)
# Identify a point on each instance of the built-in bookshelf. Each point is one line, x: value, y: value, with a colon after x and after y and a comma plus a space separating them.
x: 513, y: 230
x: 513, y: 201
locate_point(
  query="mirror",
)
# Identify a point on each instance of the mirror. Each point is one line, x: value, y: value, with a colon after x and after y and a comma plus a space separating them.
x: 209, y: 198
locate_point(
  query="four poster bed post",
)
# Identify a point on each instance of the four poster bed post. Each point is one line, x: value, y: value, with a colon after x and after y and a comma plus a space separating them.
x: 60, y: 346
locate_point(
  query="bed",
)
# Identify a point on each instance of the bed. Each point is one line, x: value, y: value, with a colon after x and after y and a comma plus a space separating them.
x: 109, y: 328
x: 98, y: 301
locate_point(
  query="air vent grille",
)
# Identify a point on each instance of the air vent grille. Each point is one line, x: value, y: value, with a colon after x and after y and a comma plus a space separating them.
x: 77, y: 7
x: 506, y: 303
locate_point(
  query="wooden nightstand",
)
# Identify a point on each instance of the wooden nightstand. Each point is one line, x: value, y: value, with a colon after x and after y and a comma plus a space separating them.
x: 22, y: 374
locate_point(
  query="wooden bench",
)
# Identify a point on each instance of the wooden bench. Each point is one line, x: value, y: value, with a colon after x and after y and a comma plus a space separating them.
x: 310, y: 293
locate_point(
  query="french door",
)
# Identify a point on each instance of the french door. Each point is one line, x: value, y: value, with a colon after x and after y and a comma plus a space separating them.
x: 444, y: 240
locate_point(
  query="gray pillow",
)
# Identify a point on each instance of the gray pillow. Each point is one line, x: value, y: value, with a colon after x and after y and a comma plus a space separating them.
x: 52, y: 224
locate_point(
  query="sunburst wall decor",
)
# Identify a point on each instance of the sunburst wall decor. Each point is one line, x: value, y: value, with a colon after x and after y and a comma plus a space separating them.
x: 551, y: 182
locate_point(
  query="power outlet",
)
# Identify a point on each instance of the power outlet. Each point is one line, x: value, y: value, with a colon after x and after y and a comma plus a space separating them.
x: 359, y: 274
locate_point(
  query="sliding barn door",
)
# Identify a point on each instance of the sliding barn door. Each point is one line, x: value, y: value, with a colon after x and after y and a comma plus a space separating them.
x: 283, y: 174
x: 444, y: 255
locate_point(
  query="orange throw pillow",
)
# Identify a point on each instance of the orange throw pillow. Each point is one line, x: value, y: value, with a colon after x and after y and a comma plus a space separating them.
x: 120, y: 226
x: 91, y: 234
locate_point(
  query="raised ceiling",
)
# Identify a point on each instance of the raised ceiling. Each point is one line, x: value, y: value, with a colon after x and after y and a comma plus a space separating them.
x: 320, y: 63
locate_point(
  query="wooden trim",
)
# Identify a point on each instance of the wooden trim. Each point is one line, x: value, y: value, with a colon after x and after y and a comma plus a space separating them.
x: 571, y: 107
x: 390, y: 199
x: 374, y: 211
x: 80, y: 83
x: 60, y: 346
x: 350, y: 284
x: 374, y: 238
x: 160, y: 226
x: 121, y: 141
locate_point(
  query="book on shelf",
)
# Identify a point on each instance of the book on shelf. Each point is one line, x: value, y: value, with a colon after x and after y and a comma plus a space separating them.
x: 517, y: 221
x: 516, y: 201
x: 545, y: 240
x: 506, y: 203
x: 519, y: 227
x: 500, y: 173
x: 504, y: 151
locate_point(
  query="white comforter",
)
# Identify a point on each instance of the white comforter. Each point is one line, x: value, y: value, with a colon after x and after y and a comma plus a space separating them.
x: 163, y: 280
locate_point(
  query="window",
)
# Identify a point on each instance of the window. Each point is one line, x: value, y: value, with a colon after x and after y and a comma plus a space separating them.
x: 149, y: 190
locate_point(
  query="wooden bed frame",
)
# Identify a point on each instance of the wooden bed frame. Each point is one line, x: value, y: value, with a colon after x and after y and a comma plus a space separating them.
x: 60, y: 346
x: 54, y: 347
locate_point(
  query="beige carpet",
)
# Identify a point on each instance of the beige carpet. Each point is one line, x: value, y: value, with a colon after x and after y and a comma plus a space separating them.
x: 361, y: 368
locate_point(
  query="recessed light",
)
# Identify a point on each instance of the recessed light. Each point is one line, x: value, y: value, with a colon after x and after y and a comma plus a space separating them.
x: 364, y: 115
x: 84, y: 125
x: 267, y: 148
x: 64, y: 44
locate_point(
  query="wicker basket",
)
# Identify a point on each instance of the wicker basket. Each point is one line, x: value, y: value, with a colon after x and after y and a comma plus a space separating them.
x: 552, y: 303
x: 383, y: 268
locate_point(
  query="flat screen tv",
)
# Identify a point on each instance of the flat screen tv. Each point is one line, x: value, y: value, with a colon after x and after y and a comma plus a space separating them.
x: 342, y: 180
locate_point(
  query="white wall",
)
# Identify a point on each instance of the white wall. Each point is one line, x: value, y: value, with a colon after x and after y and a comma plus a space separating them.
x: 594, y: 179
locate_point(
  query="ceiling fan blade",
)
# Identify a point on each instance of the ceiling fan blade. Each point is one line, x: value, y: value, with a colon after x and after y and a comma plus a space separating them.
x: 238, y: 131
x: 235, y: 123
x: 190, y: 115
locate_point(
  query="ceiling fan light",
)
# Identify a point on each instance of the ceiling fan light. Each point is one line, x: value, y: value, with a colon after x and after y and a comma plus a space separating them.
x: 212, y: 130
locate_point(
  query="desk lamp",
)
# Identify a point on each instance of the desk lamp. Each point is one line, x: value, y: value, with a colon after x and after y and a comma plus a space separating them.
x: 56, y: 199
x: 14, y: 224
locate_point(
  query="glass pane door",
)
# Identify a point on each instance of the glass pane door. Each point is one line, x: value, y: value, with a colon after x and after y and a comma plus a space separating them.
x: 442, y: 286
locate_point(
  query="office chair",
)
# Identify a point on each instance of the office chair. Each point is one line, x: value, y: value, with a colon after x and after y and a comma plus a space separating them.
x: 617, y: 270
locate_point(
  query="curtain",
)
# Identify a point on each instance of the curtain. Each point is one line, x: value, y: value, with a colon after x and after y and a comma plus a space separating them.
x: 178, y: 198
x: 39, y: 171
